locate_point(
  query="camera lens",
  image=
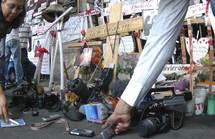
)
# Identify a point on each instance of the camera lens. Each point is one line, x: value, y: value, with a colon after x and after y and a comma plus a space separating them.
x: 149, y: 126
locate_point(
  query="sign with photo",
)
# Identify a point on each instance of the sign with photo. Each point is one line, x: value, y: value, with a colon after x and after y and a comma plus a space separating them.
x: 37, y: 42
x: 149, y: 18
x: 84, y: 59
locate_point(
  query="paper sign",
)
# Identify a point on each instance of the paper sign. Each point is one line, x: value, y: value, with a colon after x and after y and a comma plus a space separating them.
x: 195, y: 10
x: 200, y: 48
x: 46, y: 58
x: 149, y: 18
x: 135, y: 6
x: 173, y: 68
x: 72, y: 27
x: 126, y: 45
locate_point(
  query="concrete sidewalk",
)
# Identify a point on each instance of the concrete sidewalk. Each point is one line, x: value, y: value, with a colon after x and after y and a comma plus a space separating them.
x: 201, y: 127
x: 195, y: 127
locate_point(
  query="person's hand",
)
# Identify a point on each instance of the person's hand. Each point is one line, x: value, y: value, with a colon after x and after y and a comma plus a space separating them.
x: 3, y: 105
x: 121, y: 117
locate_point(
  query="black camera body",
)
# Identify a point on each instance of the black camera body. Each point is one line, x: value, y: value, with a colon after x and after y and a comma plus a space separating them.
x: 161, y: 115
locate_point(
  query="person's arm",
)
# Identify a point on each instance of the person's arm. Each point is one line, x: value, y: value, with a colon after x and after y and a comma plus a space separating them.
x: 120, y: 118
x: 213, y: 6
x: 157, y: 50
x: 3, y: 105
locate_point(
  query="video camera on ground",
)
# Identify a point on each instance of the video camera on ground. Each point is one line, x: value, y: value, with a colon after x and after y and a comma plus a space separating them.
x: 161, y: 115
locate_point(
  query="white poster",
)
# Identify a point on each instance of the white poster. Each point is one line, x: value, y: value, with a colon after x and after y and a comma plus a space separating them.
x: 39, y: 41
x: 196, y: 10
x: 72, y: 28
x: 126, y: 45
x: 135, y: 6
x: 200, y: 48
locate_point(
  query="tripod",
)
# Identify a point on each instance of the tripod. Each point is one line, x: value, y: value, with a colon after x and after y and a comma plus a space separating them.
x: 59, y: 22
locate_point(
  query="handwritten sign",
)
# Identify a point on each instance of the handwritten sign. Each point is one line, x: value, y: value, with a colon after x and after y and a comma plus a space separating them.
x: 126, y: 45
x: 72, y: 27
x: 200, y: 48
x: 40, y: 28
x: 172, y: 68
x: 135, y: 6
x: 115, y: 28
x: 195, y: 10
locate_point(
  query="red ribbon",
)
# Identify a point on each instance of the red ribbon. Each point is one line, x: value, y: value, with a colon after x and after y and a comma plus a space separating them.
x: 210, y: 42
x: 207, y: 7
x: 136, y: 34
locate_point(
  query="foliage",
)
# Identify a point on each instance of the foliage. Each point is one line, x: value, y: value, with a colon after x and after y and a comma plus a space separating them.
x: 205, y: 60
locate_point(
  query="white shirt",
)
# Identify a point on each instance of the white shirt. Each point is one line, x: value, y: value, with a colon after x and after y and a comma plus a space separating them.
x: 14, y: 34
x: 24, y: 34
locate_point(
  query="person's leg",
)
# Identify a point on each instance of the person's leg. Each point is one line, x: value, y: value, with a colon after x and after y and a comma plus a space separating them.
x: 28, y: 67
x: 158, y: 49
x: 16, y: 51
x: 8, y: 46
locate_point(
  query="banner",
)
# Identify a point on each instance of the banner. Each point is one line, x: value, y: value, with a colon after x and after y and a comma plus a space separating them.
x: 175, y: 68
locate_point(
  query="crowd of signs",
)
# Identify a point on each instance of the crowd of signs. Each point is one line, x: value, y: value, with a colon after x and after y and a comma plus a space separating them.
x: 75, y: 24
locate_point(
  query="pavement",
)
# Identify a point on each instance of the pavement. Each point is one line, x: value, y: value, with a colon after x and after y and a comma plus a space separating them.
x: 195, y: 127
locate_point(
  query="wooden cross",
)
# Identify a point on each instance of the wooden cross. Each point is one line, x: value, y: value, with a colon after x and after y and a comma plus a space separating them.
x: 112, y: 31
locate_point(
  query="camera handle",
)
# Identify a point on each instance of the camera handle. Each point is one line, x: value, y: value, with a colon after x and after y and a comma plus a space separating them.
x: 162, y: 89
